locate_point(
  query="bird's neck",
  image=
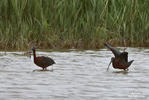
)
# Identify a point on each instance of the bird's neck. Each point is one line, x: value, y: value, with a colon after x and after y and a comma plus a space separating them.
x: 34, y: 54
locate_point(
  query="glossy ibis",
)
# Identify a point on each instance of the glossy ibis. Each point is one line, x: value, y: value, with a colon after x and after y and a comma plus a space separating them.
x: 42, y: 61
x: 120, y: 61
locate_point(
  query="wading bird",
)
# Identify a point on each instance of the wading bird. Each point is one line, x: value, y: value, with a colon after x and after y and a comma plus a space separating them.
x: 120, y: 61
x: 42, y: 61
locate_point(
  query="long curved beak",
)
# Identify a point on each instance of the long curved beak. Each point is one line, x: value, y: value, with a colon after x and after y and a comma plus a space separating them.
x: 109, y: 65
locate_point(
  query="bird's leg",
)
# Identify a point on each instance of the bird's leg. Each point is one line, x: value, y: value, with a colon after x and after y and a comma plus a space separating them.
x: 110, y: 63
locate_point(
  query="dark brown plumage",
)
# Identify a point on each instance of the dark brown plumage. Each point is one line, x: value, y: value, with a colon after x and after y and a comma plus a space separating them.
x: 42, y: 61
x: 120, y: 61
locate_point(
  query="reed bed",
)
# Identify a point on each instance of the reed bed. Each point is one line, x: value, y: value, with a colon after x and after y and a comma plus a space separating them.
x: 73, y: 23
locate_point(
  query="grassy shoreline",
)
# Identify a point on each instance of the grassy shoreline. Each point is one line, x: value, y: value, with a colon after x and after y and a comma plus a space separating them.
x: 82, y: 24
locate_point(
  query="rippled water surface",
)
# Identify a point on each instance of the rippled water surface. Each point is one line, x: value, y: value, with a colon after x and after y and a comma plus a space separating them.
x: 77, y: 75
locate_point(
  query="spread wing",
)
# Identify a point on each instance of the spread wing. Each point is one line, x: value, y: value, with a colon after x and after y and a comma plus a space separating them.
x: 115, y: 51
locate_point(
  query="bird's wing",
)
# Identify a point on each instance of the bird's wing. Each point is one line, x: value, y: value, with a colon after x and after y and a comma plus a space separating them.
x: 115, y: 51
x: 46, y: 60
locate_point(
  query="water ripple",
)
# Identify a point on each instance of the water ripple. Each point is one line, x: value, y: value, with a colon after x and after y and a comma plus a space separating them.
x: 77, y: 75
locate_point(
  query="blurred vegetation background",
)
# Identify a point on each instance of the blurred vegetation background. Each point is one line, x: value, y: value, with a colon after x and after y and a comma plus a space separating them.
x: 73, y: 23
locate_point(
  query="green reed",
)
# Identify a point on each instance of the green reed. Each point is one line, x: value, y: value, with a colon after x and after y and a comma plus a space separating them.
x: 73, y: 23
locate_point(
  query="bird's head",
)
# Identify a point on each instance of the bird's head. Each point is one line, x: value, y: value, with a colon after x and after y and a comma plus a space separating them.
x: 33, y: 48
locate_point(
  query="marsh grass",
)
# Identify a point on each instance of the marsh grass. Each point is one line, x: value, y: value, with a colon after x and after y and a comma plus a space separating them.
x: 73, y: 23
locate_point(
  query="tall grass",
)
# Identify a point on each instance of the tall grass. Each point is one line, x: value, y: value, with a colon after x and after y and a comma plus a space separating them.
x: 73, y: 23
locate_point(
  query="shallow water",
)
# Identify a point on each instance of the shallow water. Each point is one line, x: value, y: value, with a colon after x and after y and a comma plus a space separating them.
x: 77, y: 75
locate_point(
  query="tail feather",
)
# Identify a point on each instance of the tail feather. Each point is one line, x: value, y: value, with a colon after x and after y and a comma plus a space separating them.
x: 129, y: 63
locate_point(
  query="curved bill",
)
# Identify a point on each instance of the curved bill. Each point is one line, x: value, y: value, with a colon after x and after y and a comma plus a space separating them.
x: 109, y: 65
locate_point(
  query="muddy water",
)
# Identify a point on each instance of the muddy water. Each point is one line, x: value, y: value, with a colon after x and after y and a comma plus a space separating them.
x: 77, y: 75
